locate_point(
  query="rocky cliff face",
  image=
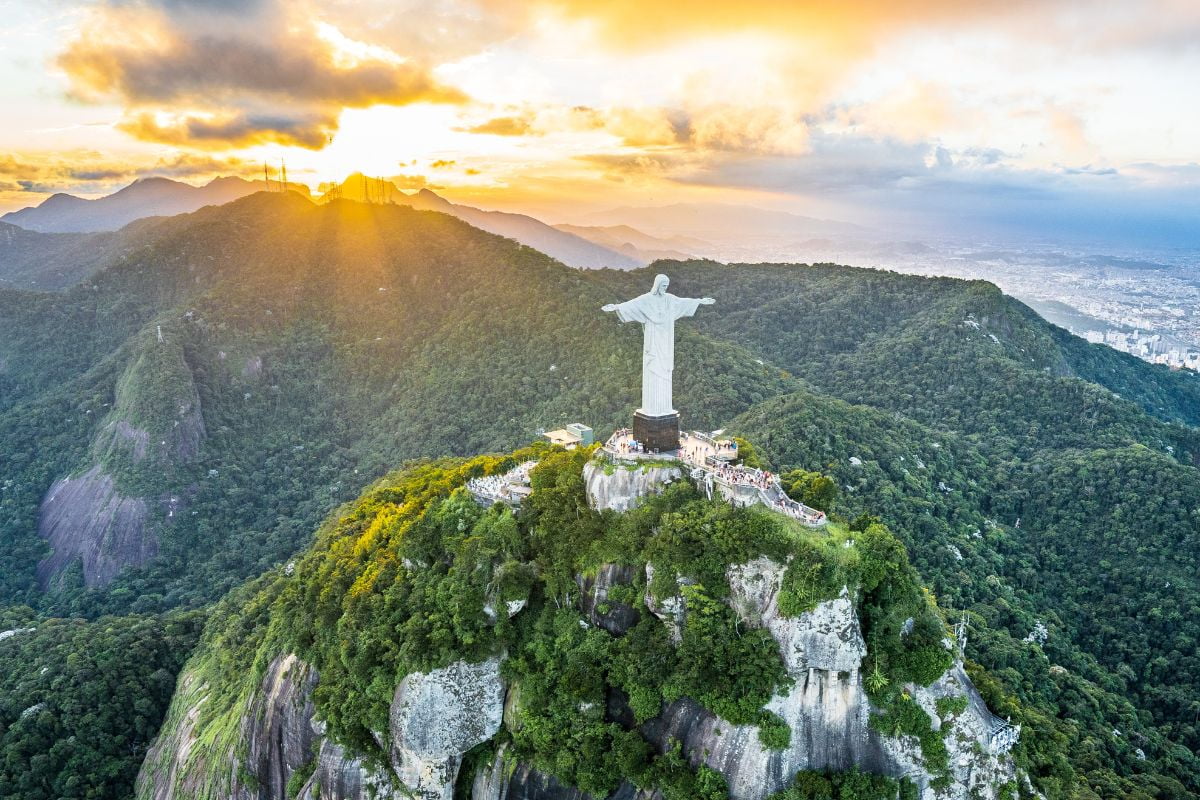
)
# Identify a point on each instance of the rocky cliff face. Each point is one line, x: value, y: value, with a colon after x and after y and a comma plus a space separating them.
x: 615, y: 617
x: 434, y: 719
x: 155, y: 425
x: 278, y: 730
x: 275, y: 732
x: 827, y: 708
x: 338, y: 775
x: 438, y: 716
x: 618, y: 488
x: 85, y: 518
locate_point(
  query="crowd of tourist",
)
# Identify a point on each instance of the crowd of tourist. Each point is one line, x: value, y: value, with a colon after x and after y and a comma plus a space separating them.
x: 714, y: 456
x: 624, y: 443
x: 488, y: 486
x: 499, y: 488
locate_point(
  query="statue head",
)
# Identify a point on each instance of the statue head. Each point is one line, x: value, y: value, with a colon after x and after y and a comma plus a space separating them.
x: 661, y: 282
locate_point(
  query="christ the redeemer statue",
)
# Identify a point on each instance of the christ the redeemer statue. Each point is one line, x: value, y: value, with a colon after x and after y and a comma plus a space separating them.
x: 656, y: 423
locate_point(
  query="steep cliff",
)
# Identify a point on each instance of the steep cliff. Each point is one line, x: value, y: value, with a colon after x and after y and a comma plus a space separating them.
x: 434, y: 720
x: 619, y: 487
x: 105, y: 517
x: 86, y: 519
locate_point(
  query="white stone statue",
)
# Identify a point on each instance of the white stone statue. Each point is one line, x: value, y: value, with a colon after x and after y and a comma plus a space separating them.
x: 657, y: 311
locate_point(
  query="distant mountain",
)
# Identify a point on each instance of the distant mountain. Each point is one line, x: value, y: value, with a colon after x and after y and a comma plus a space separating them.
x: 637, y: 245
x: 711, y: 221
x: 146, y: 197
x: 572, y: 250
x: 33, y: 260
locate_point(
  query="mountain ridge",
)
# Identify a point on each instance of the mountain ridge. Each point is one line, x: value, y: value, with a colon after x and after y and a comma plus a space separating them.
x: 565, y: 246
x: 145, y: 197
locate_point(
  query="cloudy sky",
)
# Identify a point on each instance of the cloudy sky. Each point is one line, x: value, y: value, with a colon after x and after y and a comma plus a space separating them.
x: 1079, y: 115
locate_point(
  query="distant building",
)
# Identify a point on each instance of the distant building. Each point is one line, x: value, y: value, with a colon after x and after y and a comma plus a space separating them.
x: 570, y: 436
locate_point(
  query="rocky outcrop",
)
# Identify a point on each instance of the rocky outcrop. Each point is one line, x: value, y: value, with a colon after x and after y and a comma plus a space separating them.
x: 613, y: 616
x: 671, y: 609
x: 278, y: 728
x: 619, y: 487
x: 827, y: 709
x: 276, y: 735
x: 438, y: 716
x: 85, y: 518
x: 502, y: 779
x: 165, y: 773
x: 435, y: 718
x: 155, y: 424
x: 338, y: 775
x: 826, y: 638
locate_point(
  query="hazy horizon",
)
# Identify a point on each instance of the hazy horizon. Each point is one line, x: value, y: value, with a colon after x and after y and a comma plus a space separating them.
x: 1026, y: 120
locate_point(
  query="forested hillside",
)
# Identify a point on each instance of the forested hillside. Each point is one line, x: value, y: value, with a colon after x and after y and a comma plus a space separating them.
x: 1083, y: 607
x: 318, y: 345
x: 234, y: 374
x: 80, y: 702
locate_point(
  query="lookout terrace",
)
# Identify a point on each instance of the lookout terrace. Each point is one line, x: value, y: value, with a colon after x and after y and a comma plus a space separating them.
x: 711, y: 462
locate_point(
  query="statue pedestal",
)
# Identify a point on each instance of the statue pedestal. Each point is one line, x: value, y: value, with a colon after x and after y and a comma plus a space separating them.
x: 657, y: 433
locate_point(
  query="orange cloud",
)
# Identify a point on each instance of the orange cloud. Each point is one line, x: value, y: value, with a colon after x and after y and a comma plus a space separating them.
x: 639, y: 23
x: 231, y: 75
x: 504, y: 126
x: 25, y: 178
x: 233, y: 130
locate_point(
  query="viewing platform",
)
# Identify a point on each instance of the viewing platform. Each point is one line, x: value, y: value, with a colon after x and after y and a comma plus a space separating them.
x: 711, y: 461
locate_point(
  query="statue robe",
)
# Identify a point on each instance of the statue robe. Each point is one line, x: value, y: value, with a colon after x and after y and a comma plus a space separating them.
x: 657, y: 314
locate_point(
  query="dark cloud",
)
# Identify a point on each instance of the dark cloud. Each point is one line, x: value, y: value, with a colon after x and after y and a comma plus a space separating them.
x: 311, y: 130
x: 229, y: 74
x: 203, y: 67
x: 98, y: 174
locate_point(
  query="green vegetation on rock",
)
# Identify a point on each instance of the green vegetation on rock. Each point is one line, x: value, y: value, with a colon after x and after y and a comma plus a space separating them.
x: 398, y: 583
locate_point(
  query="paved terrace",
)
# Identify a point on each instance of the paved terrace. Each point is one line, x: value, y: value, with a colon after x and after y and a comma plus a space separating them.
x: 710, y: 459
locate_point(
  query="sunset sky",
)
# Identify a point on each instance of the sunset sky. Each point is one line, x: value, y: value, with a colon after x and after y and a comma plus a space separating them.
x: 932, y: 113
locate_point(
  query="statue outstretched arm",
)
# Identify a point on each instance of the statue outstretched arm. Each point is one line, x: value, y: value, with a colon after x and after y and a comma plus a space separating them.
x: 609, y: 307
x: 707, y: 301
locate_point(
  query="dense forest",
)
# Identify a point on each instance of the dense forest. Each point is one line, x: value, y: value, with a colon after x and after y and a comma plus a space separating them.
x: 242, y: 370
x: 80, y: 702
